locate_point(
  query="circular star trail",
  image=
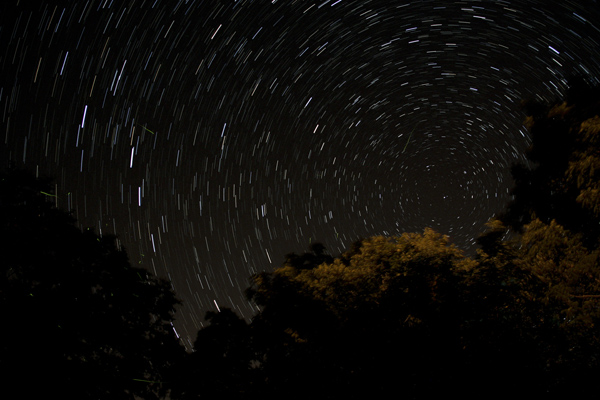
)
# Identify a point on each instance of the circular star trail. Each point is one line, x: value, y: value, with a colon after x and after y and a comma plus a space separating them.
x: 213, y: 137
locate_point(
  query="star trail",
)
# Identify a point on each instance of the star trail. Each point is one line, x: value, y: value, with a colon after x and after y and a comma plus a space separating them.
x: 213, y: 137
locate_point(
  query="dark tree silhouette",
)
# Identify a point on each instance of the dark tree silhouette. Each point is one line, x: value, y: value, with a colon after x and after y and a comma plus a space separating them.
x: 378, y: 320
x: 564, y: 154
x: 502, y: 316
x: 221, y: 365
x: 311, y: 259
x: 411, y: 317
x: 79, y: 321
x: 556, y: 210
x: 568, y: 305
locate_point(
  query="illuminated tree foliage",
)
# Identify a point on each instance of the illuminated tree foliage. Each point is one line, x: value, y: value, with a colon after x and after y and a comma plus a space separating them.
x: 79, y: 321
x: 561, y: 181
x: 556, y: 208
x: 569, y: 304
x: 584, y: 167
x: 410, y: 316
x: 382, y: 316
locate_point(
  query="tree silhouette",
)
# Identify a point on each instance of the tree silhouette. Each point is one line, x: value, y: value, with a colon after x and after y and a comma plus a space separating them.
x: 308, y: 260
x: 411, y: 316
x: 568, y: 305
x: 564, y: 156
x: 221, y: 364
x: 501, y: 319
x: 80, y: 322
x: 379, y: 319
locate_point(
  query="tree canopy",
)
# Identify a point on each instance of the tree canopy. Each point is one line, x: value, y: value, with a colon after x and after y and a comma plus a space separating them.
x: 80, y: 321
x: 561, y: 181
x: 412, y: 315
x: 408, y: 315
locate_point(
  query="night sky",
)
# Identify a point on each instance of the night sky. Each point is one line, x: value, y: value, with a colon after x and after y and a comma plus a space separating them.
x: 214, y: 137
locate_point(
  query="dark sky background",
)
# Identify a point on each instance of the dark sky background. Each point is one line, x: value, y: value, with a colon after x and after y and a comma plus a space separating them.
x: 213, y: 137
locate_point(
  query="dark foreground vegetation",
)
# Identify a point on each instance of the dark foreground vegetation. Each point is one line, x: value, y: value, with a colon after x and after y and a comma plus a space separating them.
x: 403, y: 317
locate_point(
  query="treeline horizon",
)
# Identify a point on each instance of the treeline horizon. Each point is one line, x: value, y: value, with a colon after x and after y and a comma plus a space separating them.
x: 406, y: 315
